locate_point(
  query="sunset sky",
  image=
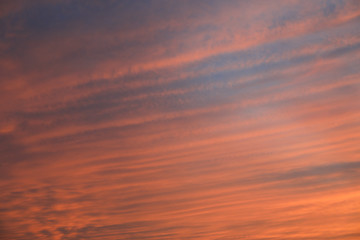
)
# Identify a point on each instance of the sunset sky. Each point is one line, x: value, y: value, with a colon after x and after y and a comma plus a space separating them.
x: 180, y: 119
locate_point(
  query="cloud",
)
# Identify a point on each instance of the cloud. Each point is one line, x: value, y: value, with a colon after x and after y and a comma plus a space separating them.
x: 180, y: 120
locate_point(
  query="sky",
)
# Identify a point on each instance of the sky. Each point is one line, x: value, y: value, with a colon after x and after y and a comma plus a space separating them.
x: 186, y: 119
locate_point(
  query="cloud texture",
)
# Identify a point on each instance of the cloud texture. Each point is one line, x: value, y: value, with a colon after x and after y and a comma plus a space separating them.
x: 180, y: 120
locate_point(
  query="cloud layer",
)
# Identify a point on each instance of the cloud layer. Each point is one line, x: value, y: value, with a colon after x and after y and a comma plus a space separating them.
x: 180, y: 120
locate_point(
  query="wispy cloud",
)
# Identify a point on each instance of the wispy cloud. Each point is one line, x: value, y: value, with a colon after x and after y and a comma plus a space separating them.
x: 179, y: 120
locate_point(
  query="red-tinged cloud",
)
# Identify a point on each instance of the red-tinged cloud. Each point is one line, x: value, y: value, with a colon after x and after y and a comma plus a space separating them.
x: 180, y: 120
